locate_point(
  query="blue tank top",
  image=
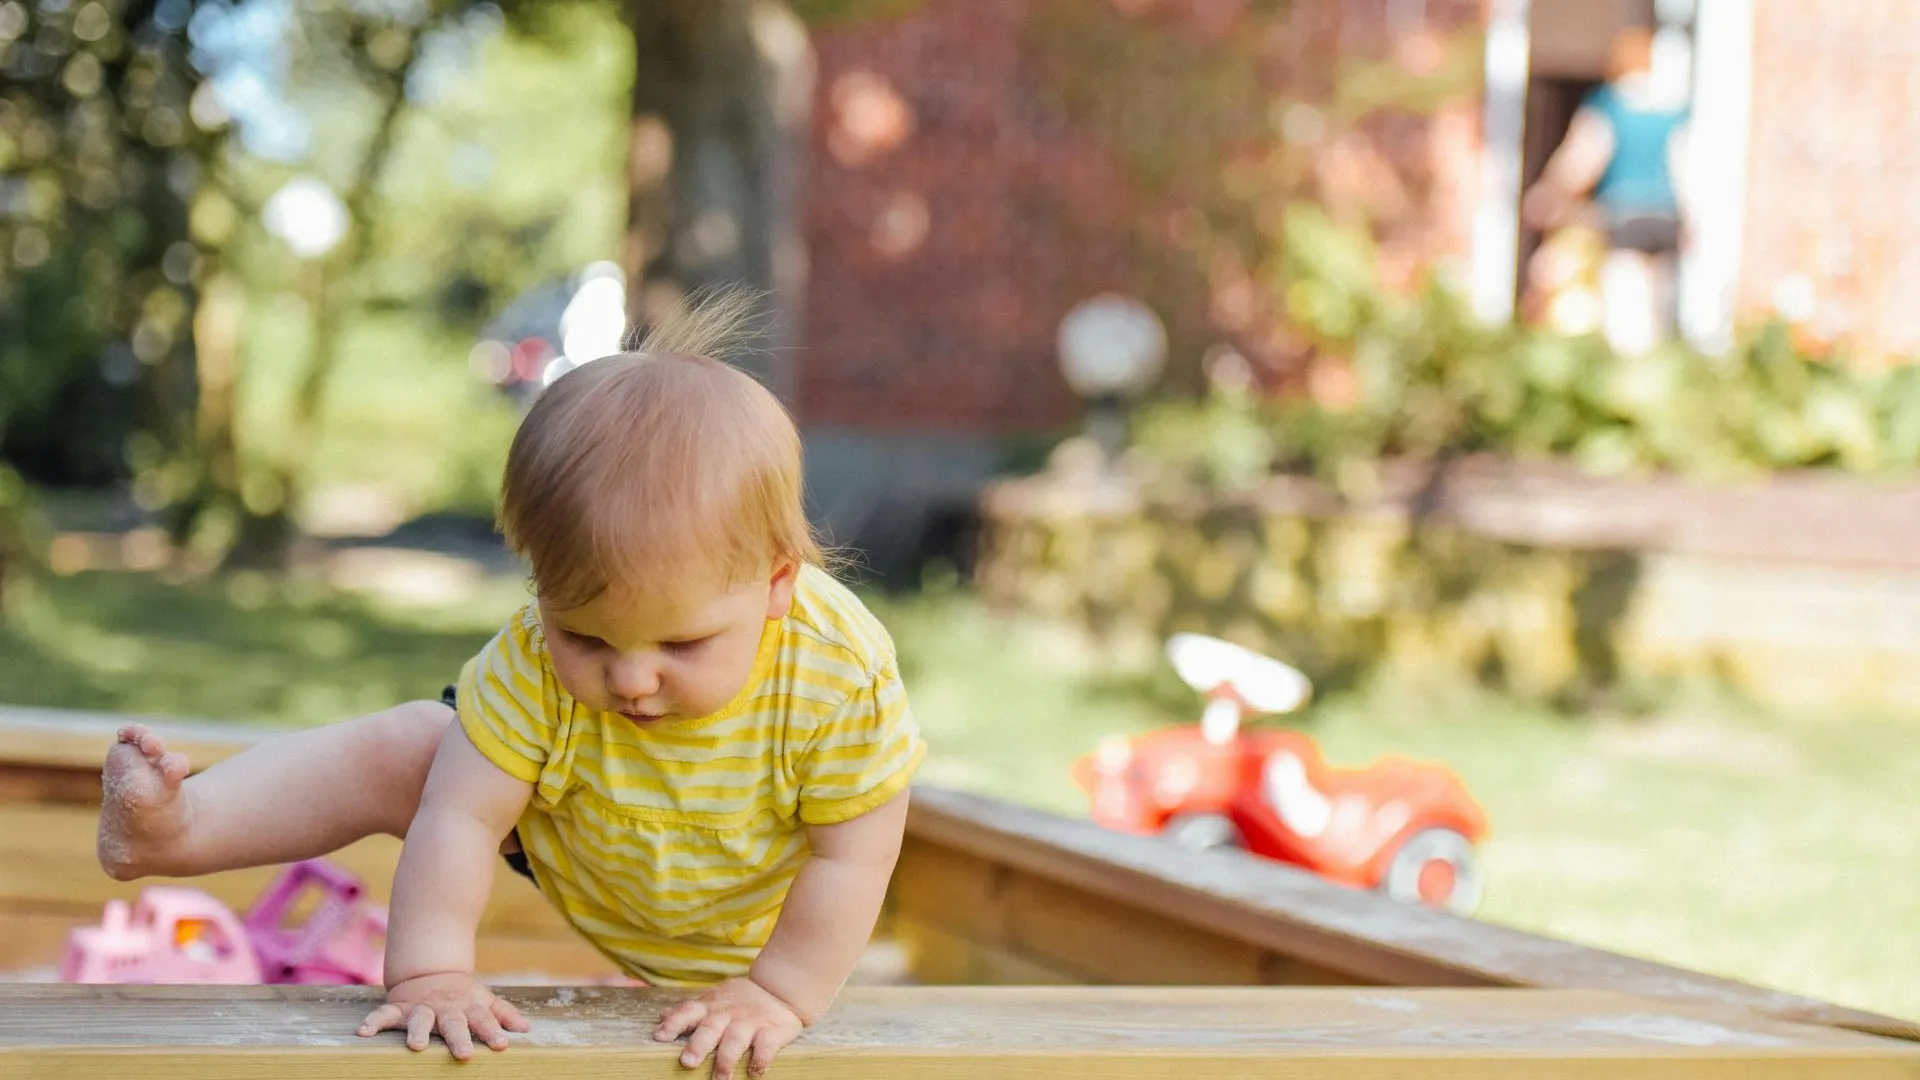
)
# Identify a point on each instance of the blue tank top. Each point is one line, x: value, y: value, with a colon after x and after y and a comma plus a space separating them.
x: 1637, y: 180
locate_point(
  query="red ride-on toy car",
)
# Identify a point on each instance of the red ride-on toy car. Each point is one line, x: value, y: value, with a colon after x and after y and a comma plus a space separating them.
x: 1407, y: 828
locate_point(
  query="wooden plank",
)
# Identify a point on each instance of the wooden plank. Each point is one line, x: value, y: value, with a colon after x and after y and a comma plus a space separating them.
x: 1004, y: 914
x: 33, y: 939
x: 945, y: 888
x: 1295, y: 914
x: 70, y: 739
x: 212, y: 1033
x: 48, y: 784
x: 47, y: 858
x: 1108, y: 943
x: 936, y: 956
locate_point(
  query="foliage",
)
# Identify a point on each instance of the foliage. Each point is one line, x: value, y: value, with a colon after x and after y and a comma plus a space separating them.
x: 1416, y: 376
x: 96, y: 155
x: 16, y: 531
x: 153, y: 328
x: 827, y: 12
x: 122, y: 641
x: 1224, y: 120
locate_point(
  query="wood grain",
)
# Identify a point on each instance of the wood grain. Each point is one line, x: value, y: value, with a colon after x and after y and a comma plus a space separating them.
x: 215, y: 1033
x: 65, y: 738
x: 1082, y: 932
x: 1013, y: 923
x: 938, y: 957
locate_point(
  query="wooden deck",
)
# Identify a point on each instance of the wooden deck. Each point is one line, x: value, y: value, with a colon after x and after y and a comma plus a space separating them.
x: 203, y: 1033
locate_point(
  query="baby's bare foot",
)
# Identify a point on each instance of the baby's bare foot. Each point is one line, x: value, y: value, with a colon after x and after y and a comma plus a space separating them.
x: 144, y: 814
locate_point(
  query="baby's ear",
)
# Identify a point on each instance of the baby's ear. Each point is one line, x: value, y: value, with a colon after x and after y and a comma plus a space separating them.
x: 786, y: 577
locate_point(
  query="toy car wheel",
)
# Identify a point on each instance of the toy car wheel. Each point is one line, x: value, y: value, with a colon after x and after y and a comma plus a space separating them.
x: 1436, y: 867
x: 1201, y: 832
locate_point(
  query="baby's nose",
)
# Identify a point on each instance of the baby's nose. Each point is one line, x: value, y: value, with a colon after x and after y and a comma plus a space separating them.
x: 633, y: 678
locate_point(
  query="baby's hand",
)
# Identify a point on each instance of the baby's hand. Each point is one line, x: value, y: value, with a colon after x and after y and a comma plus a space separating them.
x: 726, y: 1022
x: 457, y: 1006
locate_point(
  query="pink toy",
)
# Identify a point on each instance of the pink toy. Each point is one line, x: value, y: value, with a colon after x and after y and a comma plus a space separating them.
x: 171, y: 935
x: 341, y: 941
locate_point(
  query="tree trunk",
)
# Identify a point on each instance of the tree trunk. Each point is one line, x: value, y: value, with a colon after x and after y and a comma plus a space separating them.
x: 722, y: 95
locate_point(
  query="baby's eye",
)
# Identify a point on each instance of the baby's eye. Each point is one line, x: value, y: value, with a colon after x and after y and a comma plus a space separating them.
x: 585, y: 641
x: 686, y: 646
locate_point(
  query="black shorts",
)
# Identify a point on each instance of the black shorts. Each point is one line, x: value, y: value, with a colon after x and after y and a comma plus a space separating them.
x: 516, y: 859
x: 1652, y: 234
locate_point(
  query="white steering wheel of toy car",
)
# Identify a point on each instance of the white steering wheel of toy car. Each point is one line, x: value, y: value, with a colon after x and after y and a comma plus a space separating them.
x: 1266, y: 685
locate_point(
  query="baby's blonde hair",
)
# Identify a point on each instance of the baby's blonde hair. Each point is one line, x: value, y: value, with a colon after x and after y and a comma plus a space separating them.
x: 662, y: 471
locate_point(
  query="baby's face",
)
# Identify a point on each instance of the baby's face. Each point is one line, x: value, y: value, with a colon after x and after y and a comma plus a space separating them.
x: 651, y: 663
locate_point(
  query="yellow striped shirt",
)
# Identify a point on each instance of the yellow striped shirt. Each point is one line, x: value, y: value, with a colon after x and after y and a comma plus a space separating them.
x: 671, y: 848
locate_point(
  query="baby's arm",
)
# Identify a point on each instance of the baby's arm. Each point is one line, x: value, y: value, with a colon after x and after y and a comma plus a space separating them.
x: 439, y: 892
x: 831, y: 909
x: 824, y: 926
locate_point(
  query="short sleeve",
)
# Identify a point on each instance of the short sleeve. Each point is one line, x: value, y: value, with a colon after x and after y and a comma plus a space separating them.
x: 1602, y: 101
x: 862, y: 755
x: 509, y: 700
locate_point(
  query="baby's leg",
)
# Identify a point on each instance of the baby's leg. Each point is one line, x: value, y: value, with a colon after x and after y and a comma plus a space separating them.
x: 296, y: 797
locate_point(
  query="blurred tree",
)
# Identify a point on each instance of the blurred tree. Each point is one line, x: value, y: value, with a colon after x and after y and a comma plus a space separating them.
x: 98, y: 157
x: 369, y: 51
x: 147, y: 151
x: 722, y: 95
x: 332, y: 84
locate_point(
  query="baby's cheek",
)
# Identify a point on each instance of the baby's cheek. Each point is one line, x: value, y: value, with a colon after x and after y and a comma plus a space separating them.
x: 576, y: 677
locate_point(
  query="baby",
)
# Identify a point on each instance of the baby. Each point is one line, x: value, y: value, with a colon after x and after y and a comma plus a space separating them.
x: 693, y: 740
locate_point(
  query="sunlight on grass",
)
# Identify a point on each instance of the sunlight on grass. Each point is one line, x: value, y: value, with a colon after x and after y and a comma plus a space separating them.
x: 1772, y: 852
x: 1766, y: 851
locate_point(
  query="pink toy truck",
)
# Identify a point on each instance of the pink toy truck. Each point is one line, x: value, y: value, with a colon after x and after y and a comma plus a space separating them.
x: 170, y: 935
x: 342, y: 940
x: 174, y: 935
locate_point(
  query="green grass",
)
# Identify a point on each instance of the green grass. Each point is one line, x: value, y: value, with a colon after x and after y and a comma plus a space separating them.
x: 1764, y: 850
x: 255, y: 649
x: 1775, y: 852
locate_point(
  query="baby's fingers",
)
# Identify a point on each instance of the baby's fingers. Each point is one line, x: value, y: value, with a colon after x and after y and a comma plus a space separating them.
x: 485, y: 1027
x: 732, y: 1045
x: 679, y: 1020
x: 453, y: 1028
x: 509, y: 1016
x: 705, y: 1038
x: 419, y: 1027
x: 382, y: 1018
x: 766, y: 1043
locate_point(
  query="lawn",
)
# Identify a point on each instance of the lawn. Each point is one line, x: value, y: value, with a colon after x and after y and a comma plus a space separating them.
x: 1762, y: 849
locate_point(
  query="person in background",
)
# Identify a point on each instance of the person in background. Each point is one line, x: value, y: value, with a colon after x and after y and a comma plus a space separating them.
x: 1626, y: 146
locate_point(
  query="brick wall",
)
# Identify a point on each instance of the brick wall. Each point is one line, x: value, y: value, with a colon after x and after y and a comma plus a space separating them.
x: 1835, y: 146
x: 955, y: 211
x: 952, y: 219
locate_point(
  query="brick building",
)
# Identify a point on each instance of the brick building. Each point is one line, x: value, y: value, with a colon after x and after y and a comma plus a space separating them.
x: 957, y: 207
x: 959, y: 203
